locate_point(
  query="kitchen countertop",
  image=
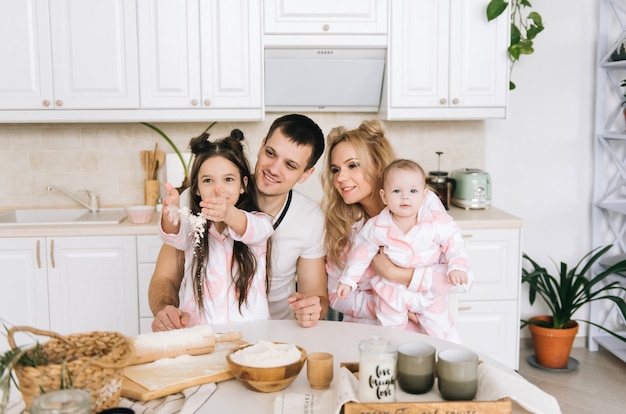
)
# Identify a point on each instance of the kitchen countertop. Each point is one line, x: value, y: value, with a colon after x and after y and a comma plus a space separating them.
x: 467, y: 219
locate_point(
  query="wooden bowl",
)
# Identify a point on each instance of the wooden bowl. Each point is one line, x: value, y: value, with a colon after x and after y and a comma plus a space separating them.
x: 266, y: 379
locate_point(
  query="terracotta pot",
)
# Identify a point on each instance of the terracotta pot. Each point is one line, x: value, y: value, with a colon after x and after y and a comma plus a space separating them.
x: 553, y: 346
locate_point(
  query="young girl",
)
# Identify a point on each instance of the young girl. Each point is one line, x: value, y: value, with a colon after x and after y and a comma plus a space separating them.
x: 413, y: 235
x: 224, y: 237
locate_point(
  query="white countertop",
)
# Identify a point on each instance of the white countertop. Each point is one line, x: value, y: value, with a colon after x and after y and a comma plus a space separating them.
x: 467, y: 219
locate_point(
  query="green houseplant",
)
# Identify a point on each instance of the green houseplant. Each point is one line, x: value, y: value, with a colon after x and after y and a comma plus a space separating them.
x: 566, y: 292
x: 524, y: 28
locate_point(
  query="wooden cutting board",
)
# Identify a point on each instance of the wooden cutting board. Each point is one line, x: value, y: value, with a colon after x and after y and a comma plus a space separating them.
x: 171, y: 375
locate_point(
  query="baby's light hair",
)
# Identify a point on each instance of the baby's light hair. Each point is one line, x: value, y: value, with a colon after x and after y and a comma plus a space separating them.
x: 404, y: 164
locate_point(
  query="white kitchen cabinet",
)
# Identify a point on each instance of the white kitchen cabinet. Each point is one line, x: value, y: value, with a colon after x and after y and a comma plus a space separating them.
x: 202, y: 55
x: 488, y: 315
x: 68, y: 54
x: 94, y: 54
x: 23, y: 284
x: 325, y: 17
x: 148, y: 248
x: 70, y: 284
x: 446, y: 61
x: 26, y: 70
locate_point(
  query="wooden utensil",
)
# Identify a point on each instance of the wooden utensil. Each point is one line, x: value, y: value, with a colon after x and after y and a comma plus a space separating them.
x: 145, y: 354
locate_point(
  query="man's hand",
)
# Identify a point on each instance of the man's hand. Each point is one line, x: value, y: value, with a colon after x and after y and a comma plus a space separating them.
x: 170, y: 318
x: 307, y: 309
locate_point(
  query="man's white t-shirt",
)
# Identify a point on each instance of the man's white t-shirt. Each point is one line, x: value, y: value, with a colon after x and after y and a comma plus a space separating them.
x: 300, y: 234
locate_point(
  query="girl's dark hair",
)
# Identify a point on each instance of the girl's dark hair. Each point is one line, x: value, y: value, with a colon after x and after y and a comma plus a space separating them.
x: 230, y: 148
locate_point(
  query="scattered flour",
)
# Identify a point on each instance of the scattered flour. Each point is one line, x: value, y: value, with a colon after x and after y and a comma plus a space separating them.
x: 196, y: 336
x: 266, y: 354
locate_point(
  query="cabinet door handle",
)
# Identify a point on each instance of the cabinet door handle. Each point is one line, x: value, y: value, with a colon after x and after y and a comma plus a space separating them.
x: 464, y: 308
x: 59, y: 102
x: 207, y: 102
x: 52, y: 253
x: 38, y: 252
x: 194, y: 102
x: 326, y: 27
x: 46, y: 103
x: 443, y: 101
x: 455, y: 101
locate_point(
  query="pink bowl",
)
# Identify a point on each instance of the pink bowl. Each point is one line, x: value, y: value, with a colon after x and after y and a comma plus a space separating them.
x: 139, y: 214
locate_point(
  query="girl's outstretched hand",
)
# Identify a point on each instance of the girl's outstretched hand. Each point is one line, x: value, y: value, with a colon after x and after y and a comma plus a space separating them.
x: 216, y: 207
x: 171, y: 204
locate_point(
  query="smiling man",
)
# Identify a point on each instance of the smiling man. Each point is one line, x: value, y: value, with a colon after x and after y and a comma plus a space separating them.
x: 287, y: 156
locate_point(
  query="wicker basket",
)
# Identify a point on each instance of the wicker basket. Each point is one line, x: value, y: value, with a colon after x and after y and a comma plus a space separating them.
x: 92, y: 361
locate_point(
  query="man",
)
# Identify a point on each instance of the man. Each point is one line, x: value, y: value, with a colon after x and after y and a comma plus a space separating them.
x: 287, y: 156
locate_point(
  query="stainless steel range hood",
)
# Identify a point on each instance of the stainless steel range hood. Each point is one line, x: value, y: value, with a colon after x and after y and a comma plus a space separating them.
x: 324, y: 79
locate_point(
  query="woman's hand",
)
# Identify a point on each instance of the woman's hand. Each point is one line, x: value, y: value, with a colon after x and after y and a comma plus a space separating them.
x: 388, y: 270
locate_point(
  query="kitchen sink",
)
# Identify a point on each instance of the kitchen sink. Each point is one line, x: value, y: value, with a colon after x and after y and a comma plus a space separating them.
x: 56, y: 217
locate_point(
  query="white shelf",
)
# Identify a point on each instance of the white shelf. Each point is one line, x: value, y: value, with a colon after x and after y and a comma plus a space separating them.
x: 608, y: 216
x: 613, y: 345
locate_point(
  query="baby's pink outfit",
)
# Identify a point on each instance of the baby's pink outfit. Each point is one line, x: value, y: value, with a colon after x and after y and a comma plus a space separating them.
x: 433, y: 247
x: 220, y: 297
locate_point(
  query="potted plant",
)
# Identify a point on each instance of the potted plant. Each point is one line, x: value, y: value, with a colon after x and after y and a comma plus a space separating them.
x: 564, y: 294
x: 524, y: 28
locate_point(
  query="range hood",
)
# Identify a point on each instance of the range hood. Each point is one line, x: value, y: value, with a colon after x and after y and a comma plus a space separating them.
x: 324, y: 79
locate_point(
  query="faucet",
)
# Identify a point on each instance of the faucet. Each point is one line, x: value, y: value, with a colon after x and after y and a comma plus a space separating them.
x: 94, y: 202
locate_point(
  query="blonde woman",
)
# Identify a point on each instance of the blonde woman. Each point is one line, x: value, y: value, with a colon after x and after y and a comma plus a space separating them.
x: 352, y: 180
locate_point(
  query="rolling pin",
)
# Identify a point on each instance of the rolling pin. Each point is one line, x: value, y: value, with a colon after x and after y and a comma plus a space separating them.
x: 197, y: 340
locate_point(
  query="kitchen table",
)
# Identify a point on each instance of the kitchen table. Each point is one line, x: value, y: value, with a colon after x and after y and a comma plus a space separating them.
x: 339, y: 338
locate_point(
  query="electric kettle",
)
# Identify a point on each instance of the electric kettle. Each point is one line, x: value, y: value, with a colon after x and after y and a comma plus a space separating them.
x: 473, y: 188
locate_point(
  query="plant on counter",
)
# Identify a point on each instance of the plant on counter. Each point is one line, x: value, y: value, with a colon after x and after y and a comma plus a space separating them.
x: 571, y: 289
x: 186, y: 166
x: 524, y: 29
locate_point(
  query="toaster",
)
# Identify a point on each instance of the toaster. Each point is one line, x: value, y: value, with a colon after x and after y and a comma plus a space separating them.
x: 473, y: 188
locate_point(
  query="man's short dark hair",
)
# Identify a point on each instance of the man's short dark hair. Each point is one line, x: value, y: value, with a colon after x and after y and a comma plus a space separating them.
x: 303, y: 131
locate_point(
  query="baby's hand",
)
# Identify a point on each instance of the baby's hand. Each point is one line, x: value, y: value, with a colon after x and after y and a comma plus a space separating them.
x: 343, y: 290
x: 457, y: 277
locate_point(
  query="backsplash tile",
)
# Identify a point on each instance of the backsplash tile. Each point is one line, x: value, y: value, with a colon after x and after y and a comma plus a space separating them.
x: 104, y: 158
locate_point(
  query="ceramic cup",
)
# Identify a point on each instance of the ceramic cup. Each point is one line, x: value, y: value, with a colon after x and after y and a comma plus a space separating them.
x: 416, y: 367
x: 319, y: 370
x: 457, y: 374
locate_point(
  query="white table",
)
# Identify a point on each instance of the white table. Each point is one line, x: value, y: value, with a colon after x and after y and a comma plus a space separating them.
x: 339, y: 338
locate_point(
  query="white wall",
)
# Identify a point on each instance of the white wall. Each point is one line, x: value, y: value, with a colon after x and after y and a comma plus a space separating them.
x: 540, y: 158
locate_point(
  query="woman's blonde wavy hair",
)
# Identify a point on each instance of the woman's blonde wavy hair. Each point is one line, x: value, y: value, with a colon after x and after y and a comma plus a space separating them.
x: 374, y: 153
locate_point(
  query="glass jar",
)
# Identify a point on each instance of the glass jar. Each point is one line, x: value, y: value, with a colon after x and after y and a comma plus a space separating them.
x: 72, y: 401
x: 377, y: 370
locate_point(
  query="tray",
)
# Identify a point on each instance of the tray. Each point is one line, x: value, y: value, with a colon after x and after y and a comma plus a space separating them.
x: 503, y: 406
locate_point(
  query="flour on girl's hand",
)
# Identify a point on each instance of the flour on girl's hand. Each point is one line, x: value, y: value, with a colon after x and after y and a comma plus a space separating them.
x: 196, y: 222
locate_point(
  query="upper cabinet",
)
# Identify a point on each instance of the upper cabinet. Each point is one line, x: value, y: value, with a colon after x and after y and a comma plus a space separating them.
x: 68, y: 54
x: 325, y: 17
x: 131, y: 60
x: 202, y: 60
x: 446, y: 61
x: 201, y: 55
